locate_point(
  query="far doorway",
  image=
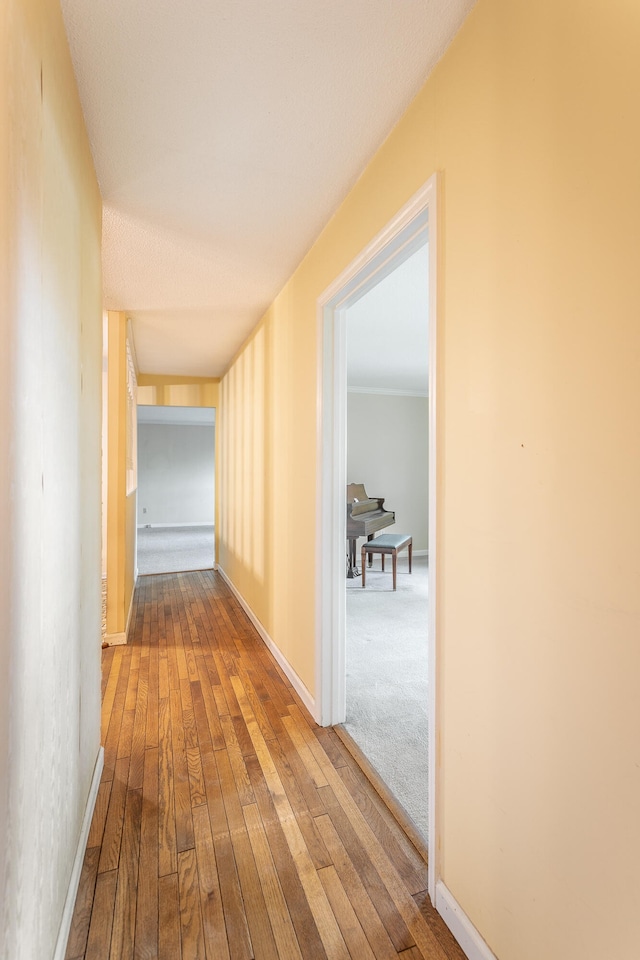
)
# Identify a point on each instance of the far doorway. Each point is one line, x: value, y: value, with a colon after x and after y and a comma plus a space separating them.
x: 176, y: 489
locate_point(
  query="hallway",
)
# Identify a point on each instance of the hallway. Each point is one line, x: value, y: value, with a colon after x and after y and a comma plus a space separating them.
x: 227, y: 824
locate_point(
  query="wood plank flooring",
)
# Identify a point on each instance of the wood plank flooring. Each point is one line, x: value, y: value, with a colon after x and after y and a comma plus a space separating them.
x: 227, y: 824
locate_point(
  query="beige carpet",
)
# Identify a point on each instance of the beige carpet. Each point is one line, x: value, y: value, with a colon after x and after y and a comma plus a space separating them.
x: 387, y: 679
x: 175, y: 549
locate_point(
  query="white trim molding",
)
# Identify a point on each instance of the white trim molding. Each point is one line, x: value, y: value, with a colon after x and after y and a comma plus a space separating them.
x: 461, y: 927
x: 388, y: 392
x: 414, y: 225
x: 190, y: 523
x: 76, y: 870
x: 434, y: 682
x: 275, y: 651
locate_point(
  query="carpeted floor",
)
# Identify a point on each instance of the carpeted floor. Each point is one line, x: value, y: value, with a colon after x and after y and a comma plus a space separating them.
x: 387, y: 679
x: 175, y: 549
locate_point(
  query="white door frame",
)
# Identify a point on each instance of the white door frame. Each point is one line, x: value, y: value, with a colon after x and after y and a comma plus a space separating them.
x: 399, y: 238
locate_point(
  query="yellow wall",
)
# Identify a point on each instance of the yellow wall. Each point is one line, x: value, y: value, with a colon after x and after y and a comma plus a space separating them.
x: 121, y: 503
x: 50, y: 384
x: 174, y: 391
x: 531, y: 121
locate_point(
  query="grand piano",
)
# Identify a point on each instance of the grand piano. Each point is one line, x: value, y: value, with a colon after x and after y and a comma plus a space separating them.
x: 365, y: 516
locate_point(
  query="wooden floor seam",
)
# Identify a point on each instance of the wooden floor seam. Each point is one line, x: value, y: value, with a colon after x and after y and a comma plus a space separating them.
x: 227, y: 823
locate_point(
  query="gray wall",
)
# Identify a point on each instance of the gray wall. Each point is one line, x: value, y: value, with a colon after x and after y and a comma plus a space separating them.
x: 175, y: 473
x: 387, y: 450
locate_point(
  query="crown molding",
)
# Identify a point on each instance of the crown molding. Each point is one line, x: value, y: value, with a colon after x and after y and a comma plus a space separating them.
x: 388, y: 392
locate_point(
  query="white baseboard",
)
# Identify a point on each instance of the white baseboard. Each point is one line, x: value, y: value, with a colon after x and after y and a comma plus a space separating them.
x: 190, y: 523
x: 115, y: 639
x: 420, y: 553
x: 460, y: 925
x: 74, y: 880
x: 282, y: 661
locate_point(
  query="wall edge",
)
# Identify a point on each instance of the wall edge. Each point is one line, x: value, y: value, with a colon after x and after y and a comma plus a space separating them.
x: 277, y: 654
x: 74, y: 879
x: 468, y: 937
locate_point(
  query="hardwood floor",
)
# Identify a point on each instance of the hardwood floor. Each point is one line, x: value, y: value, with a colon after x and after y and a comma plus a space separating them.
x: 227, y: 824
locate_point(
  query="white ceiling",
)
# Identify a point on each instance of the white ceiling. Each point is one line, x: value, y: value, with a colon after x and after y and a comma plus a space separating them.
x: 224, y: 134
x: 388, y: 332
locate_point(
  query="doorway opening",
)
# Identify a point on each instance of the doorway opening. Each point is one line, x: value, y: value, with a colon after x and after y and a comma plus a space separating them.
x: 405, y: 234
x: 176, y: 489
x: 387, y: 453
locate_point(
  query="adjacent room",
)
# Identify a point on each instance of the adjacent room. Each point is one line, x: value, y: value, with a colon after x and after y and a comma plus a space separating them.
x: 176, y: 489
x: 387, y: 451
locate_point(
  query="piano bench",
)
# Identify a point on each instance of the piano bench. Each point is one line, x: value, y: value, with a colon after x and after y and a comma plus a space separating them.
x: 387, y: 543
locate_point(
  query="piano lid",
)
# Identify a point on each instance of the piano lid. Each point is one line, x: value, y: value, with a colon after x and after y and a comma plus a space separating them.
x: 358, y: 502
x: 365, y: 515
x: 356, y: 491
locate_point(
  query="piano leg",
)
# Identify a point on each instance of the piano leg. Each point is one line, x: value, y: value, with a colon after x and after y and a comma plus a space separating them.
x: 352, y: 570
